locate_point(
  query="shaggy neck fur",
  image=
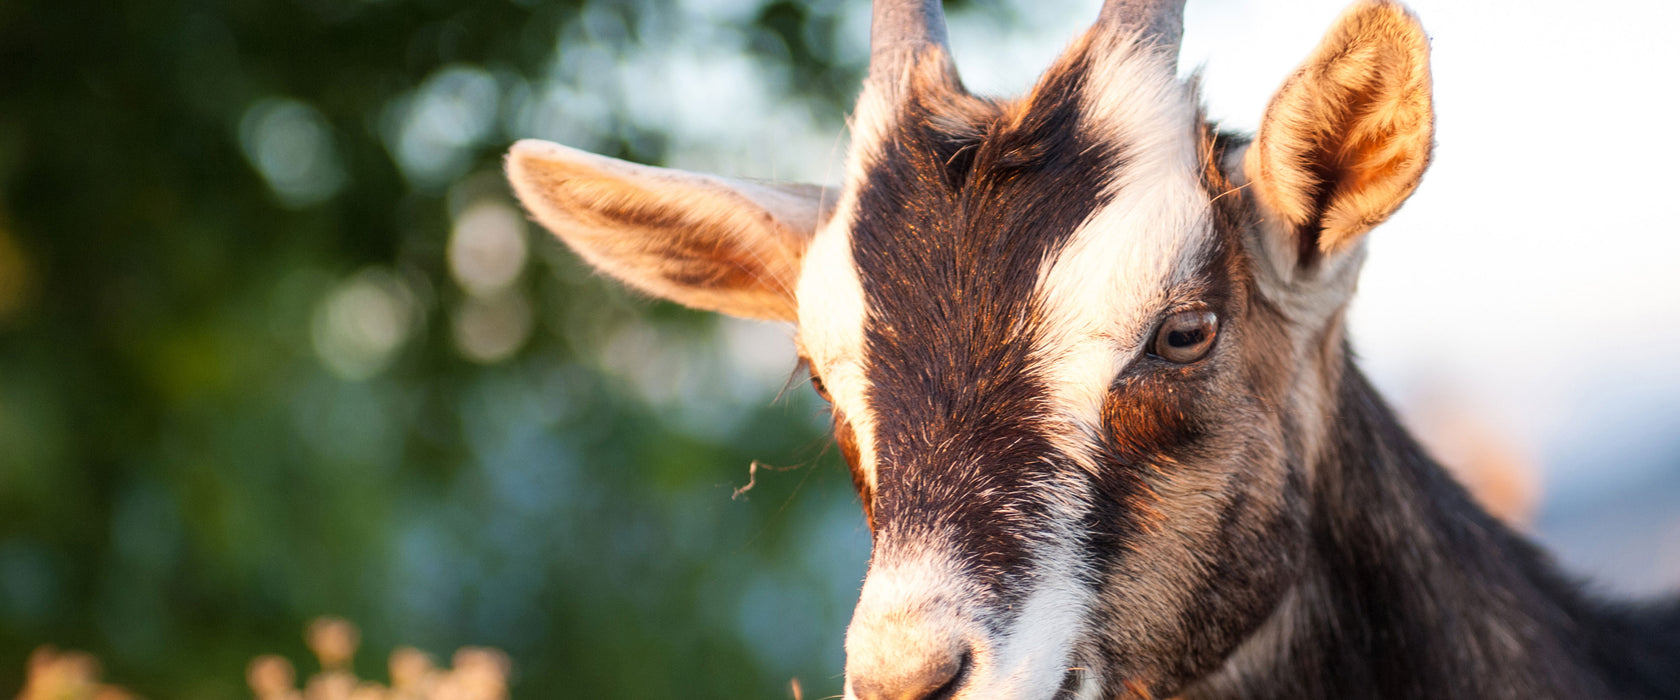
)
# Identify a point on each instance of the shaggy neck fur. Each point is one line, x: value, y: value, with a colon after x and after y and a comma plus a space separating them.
x: 1412, y: 591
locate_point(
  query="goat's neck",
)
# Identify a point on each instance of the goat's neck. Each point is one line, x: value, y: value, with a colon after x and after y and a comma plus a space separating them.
x: 1413, y: 591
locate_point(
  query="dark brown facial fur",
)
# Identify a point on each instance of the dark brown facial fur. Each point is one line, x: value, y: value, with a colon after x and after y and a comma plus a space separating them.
x: 967, y: 200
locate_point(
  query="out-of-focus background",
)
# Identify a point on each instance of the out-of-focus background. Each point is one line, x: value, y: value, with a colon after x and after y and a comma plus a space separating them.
x: 275, y: 341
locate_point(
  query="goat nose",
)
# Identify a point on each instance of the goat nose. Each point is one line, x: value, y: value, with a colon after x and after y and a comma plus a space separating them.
x: 935, y: 676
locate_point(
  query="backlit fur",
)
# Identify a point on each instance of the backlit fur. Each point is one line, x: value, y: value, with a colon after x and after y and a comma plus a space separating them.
x: 711, y: 242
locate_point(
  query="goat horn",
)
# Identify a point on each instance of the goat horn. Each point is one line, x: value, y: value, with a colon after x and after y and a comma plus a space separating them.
x: 1160, y: 22
x: 898, y: 30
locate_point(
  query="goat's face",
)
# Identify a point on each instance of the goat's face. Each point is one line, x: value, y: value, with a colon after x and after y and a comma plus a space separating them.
x: 1076, y: 345
x: 1036, y: 326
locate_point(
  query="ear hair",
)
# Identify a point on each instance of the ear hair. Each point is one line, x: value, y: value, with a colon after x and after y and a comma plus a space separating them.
x: 1346, y: 139
x: 701, y: 240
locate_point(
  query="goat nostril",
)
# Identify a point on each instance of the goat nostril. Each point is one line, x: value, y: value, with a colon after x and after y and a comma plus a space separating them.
x: 954, y: 680
x: 936, y: 679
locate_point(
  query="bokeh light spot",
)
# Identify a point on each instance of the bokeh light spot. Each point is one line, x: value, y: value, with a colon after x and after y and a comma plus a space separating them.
x: 433, y: 128
x: 291, y: 146
x: 489, y: 330
x: 361, y: 323
x: 487, y: 248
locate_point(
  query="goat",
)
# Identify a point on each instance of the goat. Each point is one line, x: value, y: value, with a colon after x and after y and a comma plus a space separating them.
x: 1087, y: 364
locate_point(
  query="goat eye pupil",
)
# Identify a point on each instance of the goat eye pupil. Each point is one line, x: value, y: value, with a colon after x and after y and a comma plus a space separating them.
x: 1186, y: 336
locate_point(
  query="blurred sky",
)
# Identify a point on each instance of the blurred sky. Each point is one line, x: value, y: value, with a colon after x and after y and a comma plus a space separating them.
x: 1533, y: 270
x: 1531, y: 280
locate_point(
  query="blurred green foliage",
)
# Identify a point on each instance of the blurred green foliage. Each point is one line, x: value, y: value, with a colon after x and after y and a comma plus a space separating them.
x: 242, y: 385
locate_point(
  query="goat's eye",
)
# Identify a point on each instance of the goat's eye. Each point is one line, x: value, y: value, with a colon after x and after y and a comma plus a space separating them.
x: 817, y: 383
x: 1186, y: 336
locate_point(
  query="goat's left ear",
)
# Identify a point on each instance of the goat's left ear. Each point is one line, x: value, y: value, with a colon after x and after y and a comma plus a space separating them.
x: 705, y: 241
x: 1346, y: 139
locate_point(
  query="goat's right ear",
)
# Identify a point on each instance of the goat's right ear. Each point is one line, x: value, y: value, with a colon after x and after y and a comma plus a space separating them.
x: 701, y: 240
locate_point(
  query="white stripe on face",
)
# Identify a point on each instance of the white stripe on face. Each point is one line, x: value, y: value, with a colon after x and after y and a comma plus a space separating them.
x: 1099, y: 297
x: 831, y: 301
x: 1035, y: 655
x: 831, y: 328
x: 1103, y: 292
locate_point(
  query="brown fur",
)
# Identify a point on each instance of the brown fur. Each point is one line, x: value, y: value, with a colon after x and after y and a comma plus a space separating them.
x: 846, y: 439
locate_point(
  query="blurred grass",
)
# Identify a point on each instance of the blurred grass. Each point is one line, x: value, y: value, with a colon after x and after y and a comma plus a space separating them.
x: 478, y: 673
